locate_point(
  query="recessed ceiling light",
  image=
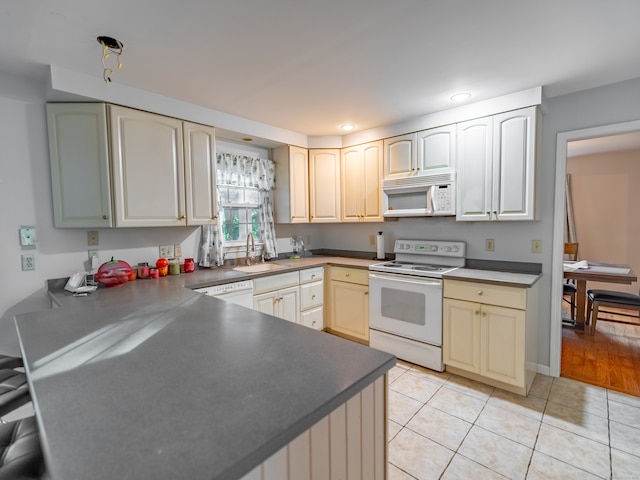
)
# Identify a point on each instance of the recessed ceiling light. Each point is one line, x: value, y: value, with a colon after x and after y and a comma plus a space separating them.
x: 347, y: 128
x: 460, y: 97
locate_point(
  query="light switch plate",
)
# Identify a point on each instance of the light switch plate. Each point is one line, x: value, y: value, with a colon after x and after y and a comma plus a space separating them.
x: 27, y: 236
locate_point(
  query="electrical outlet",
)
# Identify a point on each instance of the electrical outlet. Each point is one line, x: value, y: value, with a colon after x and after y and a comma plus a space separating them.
x: 372, y: 240
x: 536, y: 246
x: 92, y: 238
x: 28, y: 261
x: 166, y: 251
x: 490, y: 245
x: 177, y: 250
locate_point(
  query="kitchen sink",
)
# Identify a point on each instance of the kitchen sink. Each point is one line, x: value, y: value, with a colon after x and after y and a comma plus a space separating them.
x: 260, y: 267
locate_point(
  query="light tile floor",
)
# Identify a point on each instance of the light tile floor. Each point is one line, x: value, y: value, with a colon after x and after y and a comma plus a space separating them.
x: 443, y: 426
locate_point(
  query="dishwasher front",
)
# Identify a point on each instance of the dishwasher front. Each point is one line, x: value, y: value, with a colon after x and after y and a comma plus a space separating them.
x: 239, y: 293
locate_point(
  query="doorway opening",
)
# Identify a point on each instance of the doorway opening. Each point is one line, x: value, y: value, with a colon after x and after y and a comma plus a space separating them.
x: 566, y: 141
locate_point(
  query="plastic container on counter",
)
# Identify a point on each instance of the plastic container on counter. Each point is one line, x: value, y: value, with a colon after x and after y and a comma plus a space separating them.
x: 174, y: 266
x: 143, y: 270
x: 154, y: 273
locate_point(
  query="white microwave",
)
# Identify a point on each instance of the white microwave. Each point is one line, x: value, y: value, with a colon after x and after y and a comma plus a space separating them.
x: 420, y: 197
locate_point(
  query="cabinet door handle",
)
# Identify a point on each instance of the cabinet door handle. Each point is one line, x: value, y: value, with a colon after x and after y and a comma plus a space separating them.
x: 484, y: 314
x: 181, y: 217
x: 313, y: 297
x: 366, y: 293
x: 348, y: 275
x: 477, y: 312
x: 105, y: 217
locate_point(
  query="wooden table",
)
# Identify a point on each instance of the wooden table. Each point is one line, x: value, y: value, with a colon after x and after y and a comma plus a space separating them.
x: 597, y: 272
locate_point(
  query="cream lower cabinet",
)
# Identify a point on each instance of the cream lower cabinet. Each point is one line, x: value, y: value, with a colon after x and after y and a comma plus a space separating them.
x: 312, y: 298
x: 278, y: 295
x: 490, y: 333
x: 348, y: 292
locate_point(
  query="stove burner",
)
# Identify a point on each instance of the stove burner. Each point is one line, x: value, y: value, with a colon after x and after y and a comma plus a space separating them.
x: 429, y: 268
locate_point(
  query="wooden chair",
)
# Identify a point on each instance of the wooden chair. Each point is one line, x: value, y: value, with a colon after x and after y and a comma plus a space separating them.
x: 610, y: 298
x: 569, y: 287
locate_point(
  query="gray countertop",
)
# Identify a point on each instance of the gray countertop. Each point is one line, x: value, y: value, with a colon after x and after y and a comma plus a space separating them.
x: 152, y: 380
x: 495, y: 277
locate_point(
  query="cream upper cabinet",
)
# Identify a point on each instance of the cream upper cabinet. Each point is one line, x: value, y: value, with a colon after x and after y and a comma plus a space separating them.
x: 490, y: 333
x: 324, y: 185
x: 148, y: 169
x: 496, y: 167
x: 200, y: 177
x: 80, y: 171
x: 436, y: 151
x: 400, y: 156
x: 292, y: 184
x: 361, y: 178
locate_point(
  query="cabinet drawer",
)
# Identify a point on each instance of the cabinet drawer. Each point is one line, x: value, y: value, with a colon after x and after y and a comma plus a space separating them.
x: 275, y: 282
x: 311, y: 275
x: 311, y: 295
x: 312, y: 318
x: 351, y: 275
x: 489, y: 294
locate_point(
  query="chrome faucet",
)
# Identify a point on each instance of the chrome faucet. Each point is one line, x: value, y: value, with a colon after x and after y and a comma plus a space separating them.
x: 253, y: 247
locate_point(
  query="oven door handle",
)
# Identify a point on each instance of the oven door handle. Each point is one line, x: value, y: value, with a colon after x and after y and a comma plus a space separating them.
x: 399, y: 278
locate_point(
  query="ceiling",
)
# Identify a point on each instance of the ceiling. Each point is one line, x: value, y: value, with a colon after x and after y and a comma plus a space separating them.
x: 309, y: 66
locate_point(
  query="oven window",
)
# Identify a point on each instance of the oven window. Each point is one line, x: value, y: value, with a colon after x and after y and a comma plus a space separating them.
x: 402, y: 305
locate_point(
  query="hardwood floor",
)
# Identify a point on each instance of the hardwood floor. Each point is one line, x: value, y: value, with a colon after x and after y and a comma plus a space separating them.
x: 609, y: 359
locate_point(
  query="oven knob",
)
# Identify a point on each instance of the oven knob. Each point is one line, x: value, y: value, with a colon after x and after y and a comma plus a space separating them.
x: 447, y: 249
x: 434, y: 248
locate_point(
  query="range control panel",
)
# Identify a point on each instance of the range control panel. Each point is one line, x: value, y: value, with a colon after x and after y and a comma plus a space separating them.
x: 438, y: 248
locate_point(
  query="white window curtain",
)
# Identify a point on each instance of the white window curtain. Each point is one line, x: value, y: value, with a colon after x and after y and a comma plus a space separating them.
x: 240, y: 170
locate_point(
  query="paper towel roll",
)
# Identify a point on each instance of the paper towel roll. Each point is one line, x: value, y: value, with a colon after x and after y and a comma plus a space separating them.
x: 380, y: 246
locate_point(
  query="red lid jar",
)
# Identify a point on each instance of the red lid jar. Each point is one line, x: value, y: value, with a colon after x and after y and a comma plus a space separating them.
x: 189, y: 265
x: 163, y: 266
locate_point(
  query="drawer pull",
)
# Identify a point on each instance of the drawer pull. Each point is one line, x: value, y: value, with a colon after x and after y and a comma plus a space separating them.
x: 313, y: 276
x: 480, y: 292
x: 348, y: 275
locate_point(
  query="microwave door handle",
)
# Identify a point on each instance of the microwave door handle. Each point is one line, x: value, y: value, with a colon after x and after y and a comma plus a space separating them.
x: 430, y: 206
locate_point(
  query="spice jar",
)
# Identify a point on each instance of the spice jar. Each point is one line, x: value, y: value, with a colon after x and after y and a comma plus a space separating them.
x: 143, y: 270
x: 153, y: 272
x: 163, y: 266
x: 189, y: 265
x: 174, y: 266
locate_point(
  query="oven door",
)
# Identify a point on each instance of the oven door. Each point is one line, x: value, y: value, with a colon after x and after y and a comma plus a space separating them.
x: 407, y: 306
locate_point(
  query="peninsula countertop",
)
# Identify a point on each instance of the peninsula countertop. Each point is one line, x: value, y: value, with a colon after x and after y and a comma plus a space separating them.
x: 153, y: 380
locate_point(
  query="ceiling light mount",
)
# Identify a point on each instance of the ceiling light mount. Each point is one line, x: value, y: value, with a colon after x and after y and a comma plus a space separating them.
x: 460, y: 97
x: 110, y: 46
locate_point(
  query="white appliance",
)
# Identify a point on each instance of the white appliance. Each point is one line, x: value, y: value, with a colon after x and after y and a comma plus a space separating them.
x: 429, y: 195
x: 405, y: 300
x: 239, y: 293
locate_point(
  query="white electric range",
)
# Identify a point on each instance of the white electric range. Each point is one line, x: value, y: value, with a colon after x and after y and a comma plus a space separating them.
x: 405, y: 299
